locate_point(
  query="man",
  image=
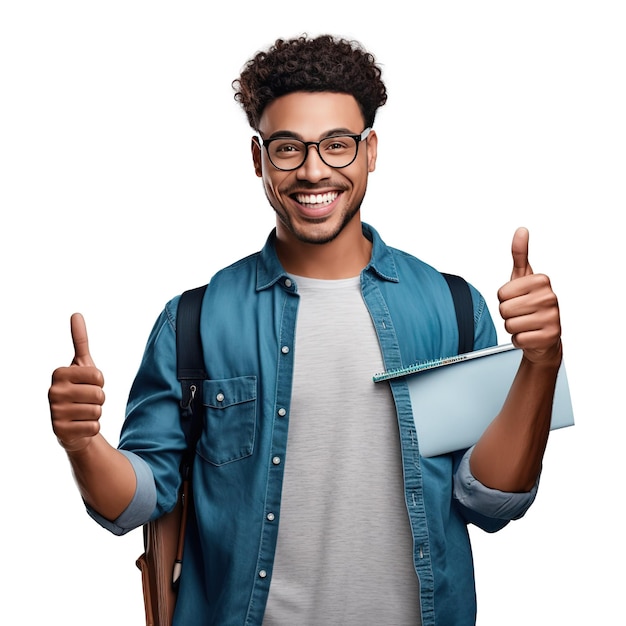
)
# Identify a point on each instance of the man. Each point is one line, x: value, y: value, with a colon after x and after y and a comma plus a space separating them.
x: 312, y: 502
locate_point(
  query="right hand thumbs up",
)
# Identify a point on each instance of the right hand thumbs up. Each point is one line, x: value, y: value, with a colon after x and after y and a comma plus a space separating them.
x: 80, y: 341
x: 76, y: 395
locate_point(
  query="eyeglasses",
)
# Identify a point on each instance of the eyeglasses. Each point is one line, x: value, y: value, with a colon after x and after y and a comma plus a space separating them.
x: 337, y: 151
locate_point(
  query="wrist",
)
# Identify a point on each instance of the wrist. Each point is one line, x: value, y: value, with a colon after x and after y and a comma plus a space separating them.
x: 548, y: 359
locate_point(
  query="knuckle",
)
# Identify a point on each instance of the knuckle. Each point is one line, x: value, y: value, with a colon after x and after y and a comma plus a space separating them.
x: 100, y: 378
x: 541, y: 279
x: 59, y: 374
x: 52, y: 394
x: 90, y: 428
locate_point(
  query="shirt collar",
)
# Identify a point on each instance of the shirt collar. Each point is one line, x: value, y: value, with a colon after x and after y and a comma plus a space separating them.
x: 270, y: 271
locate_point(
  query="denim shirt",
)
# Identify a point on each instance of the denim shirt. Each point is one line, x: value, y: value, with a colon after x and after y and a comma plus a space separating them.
x: 248, y: 330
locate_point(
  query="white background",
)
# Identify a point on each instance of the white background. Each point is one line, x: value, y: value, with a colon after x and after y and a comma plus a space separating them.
x: 125, y: 177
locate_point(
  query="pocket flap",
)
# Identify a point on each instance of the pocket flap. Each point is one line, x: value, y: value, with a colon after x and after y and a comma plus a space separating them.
x: 220, y: 394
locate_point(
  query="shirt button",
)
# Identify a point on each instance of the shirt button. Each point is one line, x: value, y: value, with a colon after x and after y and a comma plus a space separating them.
x: 262, y: 574
x: 282, y: 412
x: 288, y: 282
x: 270, y: 517
x: 276, y: 460
x: 220, y: 397
x: 285, y: 349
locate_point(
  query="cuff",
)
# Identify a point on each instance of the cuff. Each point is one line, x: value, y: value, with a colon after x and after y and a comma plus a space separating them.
x: 142, y: 505
x: 472, y: 494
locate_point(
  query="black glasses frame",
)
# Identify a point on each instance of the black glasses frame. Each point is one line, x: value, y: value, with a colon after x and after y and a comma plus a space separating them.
x: 307, y: 144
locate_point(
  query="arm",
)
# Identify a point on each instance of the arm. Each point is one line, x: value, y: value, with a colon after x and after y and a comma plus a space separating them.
x: 508, y: 456
x: 105, y: 477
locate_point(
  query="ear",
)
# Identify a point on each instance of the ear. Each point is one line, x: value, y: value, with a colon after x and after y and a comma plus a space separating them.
x: 372, y: 150
x: 255, y: 147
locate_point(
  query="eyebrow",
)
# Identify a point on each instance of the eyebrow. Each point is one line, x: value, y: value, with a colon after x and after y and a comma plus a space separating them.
x: 293, y: 135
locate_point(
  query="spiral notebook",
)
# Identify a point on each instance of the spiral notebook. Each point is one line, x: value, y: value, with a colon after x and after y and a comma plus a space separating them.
x: 455, y: 399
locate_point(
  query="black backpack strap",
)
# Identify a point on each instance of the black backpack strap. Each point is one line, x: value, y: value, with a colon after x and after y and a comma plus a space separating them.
x: 190, y: 369
x: 464, y: 308
x: 191, y: 372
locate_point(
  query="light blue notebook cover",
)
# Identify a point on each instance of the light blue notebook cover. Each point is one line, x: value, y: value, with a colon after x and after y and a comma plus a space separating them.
x: 454, y: 401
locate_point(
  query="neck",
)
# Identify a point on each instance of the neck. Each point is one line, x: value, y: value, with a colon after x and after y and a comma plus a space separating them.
x: 343, y: 257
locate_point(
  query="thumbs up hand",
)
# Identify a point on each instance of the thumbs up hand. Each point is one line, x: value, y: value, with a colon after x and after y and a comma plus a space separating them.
x: 82, y: 357
x: 76, y: 395
x: 530, y: 308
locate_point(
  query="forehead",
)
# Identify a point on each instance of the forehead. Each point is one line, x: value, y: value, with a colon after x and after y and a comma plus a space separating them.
x: 311, y: 115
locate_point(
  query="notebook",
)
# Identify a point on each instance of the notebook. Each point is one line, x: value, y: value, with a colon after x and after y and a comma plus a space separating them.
x: 455, y: 399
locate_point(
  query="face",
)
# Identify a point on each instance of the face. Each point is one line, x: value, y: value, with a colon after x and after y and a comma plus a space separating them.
x: 315, y: 202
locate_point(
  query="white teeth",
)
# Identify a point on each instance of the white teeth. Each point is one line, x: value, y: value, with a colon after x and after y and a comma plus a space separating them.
x: 319, y: 198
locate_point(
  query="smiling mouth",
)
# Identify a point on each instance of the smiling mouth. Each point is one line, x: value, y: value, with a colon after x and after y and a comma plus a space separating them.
x: 316, y: 199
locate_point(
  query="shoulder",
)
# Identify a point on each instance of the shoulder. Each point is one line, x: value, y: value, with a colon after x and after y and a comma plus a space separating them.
x: 243, y: 270
x: 411, y: 282
x: 412, y: 269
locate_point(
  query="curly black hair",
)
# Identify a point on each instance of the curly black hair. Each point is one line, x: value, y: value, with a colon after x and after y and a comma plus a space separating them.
x: 324, y: 63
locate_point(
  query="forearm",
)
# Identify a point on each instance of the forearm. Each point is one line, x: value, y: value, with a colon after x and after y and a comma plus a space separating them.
x: 105, y: 477
x: 508, y: 456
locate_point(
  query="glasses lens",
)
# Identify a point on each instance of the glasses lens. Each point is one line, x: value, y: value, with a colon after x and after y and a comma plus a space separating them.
x: 338, y: 151
x: 287, y: 154
x: 290, y: 154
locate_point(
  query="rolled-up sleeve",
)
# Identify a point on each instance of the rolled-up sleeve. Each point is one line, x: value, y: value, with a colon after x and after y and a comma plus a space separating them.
x: 492, y: 503
x: 142, y: 505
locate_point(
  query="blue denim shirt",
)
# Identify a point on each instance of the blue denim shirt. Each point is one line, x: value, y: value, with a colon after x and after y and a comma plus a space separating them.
x: 248, y: 330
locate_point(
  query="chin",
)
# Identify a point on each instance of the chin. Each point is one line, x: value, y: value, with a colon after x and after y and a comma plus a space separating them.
x: 319, y: 232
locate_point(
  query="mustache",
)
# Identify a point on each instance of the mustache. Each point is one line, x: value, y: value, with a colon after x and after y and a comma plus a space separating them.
x: 306, y: 187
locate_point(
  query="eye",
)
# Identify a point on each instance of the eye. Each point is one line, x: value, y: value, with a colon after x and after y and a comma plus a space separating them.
x: 336, y: 144
x: 286, y: 148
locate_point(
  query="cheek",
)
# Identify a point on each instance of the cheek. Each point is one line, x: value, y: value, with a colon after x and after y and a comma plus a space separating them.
x: 359, y: 178
x: 271, y: 190
x: 273, y: 181
x: 268, y: 183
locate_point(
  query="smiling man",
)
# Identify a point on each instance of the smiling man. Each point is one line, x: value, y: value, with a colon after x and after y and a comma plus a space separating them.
x: 316, y: 187
x: 312, y: 503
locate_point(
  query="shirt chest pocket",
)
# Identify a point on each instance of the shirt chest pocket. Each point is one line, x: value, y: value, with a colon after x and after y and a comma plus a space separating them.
x: 229, y: 419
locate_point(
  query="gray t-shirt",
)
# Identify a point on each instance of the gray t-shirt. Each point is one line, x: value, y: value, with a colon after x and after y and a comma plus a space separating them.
x: 344, y: 553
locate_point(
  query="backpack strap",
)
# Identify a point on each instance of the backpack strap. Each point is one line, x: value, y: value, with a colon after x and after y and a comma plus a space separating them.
x: 191, y: 372
x: 190, y: 368
x: 464, y: 309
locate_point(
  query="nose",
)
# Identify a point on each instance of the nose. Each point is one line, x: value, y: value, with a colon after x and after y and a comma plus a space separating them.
x: 313, y: 169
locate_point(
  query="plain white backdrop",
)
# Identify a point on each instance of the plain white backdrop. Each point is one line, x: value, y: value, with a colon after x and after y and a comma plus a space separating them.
x: 125, y: 177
